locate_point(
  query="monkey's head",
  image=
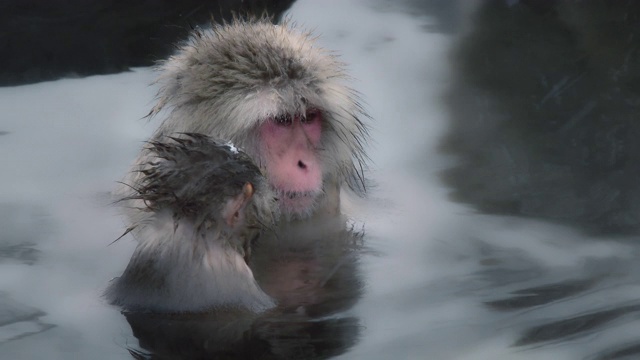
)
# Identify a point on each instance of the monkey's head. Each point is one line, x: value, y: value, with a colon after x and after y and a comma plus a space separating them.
x: 273, y: 91
x: 208, y: 185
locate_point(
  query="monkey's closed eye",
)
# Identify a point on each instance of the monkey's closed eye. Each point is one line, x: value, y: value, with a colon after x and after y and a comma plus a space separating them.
x: 284, y: 120
x: 311, y: 116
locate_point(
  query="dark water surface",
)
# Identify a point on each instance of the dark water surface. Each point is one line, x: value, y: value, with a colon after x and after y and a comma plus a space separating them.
x: 418, y: 277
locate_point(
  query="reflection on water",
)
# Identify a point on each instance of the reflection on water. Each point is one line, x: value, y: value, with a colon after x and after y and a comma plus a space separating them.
x: 313, y: 276
x: 539, y: 294
x: 283, y: 337
x: 19, y: 320
x: 22, y: 227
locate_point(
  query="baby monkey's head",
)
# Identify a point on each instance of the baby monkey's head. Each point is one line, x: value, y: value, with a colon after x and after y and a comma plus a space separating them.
x: 207, y: 185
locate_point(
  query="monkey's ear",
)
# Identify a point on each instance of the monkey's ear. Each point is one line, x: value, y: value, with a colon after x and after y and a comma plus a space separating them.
x: 233, y: 209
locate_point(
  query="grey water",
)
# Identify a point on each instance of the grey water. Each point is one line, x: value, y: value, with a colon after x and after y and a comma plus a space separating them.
x: 464, y: 249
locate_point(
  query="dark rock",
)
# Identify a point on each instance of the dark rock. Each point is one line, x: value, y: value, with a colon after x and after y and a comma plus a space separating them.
x: 46, y: 40
x: 544, y: 110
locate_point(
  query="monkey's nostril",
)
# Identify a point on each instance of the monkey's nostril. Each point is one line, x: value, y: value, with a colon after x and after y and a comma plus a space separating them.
x: 302, y: 165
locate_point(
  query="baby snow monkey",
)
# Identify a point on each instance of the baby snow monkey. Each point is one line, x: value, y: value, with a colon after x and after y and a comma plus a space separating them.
x: 204, y: 203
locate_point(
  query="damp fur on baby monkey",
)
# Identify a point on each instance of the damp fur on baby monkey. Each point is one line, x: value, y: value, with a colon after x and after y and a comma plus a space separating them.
x: 204, y: 182
x: 206, y: 201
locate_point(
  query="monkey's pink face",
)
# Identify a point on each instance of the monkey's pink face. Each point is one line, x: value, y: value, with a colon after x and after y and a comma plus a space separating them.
x: 290, y: 154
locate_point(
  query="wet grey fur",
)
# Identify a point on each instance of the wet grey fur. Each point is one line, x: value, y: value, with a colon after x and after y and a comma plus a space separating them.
x: 188, y: 259
x: 193, y: 176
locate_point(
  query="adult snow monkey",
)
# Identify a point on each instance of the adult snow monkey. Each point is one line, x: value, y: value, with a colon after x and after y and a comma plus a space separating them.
x: 270, y: 91
x: 273, y: 92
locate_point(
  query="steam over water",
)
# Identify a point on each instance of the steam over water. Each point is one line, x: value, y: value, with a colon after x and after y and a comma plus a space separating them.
x: 429, y: 279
